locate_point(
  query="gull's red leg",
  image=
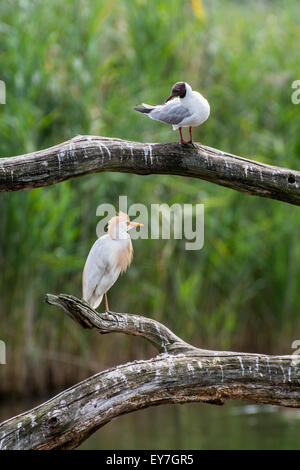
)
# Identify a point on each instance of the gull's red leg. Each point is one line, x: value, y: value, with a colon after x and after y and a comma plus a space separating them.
x: 191, y: 137
x: 184, y: 142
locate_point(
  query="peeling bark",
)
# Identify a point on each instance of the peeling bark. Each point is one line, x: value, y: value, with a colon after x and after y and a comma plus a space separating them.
x: 90, y: 154
x: 180, y: 374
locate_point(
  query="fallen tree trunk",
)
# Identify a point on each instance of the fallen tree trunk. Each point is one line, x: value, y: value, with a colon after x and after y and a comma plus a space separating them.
x: 181, y: 373
x: 90, y: 154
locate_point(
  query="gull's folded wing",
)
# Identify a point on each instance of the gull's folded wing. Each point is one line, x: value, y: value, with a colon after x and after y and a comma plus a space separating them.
x: 172, y: 112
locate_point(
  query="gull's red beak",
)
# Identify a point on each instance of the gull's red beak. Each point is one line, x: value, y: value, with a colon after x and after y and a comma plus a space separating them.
x: 169, y: 98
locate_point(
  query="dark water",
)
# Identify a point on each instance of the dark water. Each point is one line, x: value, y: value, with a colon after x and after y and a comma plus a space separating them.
x: 235, y: 425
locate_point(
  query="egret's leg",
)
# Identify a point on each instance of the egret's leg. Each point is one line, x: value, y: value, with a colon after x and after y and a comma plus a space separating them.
x: 108, y: 311
x: 106, y: 303
x: 184, y: 142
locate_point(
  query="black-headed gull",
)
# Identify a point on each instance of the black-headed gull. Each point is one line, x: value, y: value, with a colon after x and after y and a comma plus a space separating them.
x: 188, y: 109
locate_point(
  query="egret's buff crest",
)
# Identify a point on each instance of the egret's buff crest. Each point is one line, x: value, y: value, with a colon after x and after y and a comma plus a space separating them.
x: 114, y: 222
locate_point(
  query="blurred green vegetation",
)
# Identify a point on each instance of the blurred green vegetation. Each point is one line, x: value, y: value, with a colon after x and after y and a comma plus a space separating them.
x: 79, y: 67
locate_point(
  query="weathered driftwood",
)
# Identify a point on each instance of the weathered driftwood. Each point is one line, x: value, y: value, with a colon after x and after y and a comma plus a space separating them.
x: 181, y: 373
x: 88, y: 154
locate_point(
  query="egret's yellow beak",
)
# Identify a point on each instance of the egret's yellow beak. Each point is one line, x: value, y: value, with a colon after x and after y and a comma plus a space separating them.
x: 135, y: 224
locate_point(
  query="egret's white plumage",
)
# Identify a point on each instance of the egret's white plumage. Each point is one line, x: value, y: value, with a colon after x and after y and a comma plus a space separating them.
x: 188, y: 109
x: 110, y: 255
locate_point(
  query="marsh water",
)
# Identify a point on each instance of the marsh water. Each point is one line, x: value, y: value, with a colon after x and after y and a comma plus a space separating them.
x: 236, y: 425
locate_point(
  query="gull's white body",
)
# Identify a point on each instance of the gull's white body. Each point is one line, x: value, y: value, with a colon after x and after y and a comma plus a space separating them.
x: 190, y: 111
x: 103, y: 267
x: 198, y: 107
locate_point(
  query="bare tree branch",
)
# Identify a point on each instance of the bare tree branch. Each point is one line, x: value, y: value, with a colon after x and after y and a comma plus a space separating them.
x: 182, y: 374
x: 90, y: 154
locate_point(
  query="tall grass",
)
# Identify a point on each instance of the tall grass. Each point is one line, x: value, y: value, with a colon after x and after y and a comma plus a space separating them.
x: 80, y: 67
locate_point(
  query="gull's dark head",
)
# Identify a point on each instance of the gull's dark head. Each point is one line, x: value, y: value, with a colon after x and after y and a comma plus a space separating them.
x: 179, y: 89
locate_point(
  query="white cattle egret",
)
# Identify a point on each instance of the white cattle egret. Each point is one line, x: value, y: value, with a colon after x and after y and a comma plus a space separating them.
x: 110, y: 255
x: 188, y: 109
